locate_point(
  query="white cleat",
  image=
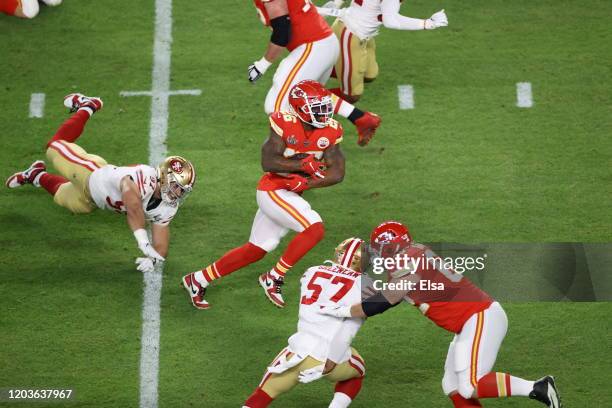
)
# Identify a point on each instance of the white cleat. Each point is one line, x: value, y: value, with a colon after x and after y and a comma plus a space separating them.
x: 77, y: 101
x: 27, y: 176
x: 52, y: 3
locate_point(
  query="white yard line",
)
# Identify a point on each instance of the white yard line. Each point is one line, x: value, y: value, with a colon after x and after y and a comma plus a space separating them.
x: 192, y: 92
x: 37, y: 105
x: 524, y: 97
x: 151, y: 318
x: 405, y: 94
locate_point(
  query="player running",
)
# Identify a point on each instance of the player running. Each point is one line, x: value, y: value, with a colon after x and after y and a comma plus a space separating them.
x: 356, y: 26
x: 302, y: 152
x: 313, y: 51
x: 322, y: 345
x: 86, y: 182
x: 478, y: 322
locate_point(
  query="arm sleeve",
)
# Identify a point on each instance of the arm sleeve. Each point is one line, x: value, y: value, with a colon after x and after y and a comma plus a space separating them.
x: 281, y: 30
x: 391, y: 18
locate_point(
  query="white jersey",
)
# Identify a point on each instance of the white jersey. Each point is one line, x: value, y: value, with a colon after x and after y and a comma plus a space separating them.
x: 105, y: 190
x: 363, y: 18
x: 326, y: 285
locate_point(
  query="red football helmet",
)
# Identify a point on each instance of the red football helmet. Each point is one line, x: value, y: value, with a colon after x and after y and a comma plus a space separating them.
x: 389, y: 239
x: 312, y: 103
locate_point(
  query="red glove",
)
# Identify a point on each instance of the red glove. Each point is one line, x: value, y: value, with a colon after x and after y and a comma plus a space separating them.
x: 313, y: 167
x: 296, y: 183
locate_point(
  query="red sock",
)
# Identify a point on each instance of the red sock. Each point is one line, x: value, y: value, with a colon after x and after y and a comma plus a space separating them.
x: 258, y: 399
x: 350, y: 387
x: 72, y: 128
x: 233, y: 260
x: 299, y: 246
x: 51, y: 182
x: 494, y: 385
x: 460, y: 402
x: 9, y: 6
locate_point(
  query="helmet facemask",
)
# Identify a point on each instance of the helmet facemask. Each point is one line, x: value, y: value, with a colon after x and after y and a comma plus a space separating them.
x: 173, y: 192
x: 312, y: 103
x: 176, y: 176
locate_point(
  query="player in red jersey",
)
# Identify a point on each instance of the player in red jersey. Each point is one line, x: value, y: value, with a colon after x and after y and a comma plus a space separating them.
x: 302, y: 152
x: 478, y: 322
x: 313, y: 51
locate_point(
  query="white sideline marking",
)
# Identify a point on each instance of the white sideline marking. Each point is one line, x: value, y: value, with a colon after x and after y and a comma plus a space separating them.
x: 524, y: 98
x: 37, y: 105
x: 192, y: 92
x: 405, y: 94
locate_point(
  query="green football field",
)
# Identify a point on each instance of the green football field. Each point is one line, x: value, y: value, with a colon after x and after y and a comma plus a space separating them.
x: 465, y: 165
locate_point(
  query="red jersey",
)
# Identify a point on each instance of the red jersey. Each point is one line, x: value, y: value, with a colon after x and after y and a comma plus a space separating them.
x: 298, y: 142
x: 451, y: 306
x: 307, y: 25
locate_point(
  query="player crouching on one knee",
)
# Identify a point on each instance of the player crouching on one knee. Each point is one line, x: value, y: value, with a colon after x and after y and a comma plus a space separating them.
x: 302, y: 152
x: 321, y: 348
x: 86, y: 182
x: 478, y: 322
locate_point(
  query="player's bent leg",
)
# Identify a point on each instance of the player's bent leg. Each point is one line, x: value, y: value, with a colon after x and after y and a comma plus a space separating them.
x: 71, y: 197
x: 371, y: 72
x: 348, y: 377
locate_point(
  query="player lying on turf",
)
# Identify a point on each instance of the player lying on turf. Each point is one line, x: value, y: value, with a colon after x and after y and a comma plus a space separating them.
x: 86, y: 182
x: 478, y: 322
x: 356, y: 26
x: 24, y: 8
x: 302, y: 152
x: 311, y: 353
x: 313, y: 51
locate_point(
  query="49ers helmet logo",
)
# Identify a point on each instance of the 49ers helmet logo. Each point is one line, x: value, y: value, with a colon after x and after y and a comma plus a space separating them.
x: 176, y: 166
x: 322, y: 143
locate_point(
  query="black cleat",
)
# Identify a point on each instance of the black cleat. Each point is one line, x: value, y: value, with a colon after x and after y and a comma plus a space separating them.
x: 545, y: 391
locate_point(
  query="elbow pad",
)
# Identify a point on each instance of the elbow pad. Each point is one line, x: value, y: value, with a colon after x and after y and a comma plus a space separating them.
x: 376, y: 304
x: 281, y: 28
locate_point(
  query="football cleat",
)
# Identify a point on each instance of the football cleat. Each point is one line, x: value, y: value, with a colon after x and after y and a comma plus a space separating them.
x: 366, y: 127
x: 27, y: 176
x: 545, y: 391
x: 76, y: 101
x: 272, y: 289
x: 196, y: 292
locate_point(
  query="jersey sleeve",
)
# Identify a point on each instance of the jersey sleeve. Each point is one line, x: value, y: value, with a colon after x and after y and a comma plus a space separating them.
x: 284, y: 124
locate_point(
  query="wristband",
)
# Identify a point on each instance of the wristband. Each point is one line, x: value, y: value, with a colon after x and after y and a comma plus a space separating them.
x: 262, y: 65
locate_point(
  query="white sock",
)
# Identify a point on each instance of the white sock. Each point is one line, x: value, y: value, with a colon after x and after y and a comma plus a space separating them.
x: 88, y: 110
x: 276, y: 275
x: 341, y: 400
x: 199, y: 277
x: 345, y: 108
x: 520, y: 387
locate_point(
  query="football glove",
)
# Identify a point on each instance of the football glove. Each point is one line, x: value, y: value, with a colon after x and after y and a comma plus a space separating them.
x: 145, y: 264
x: 313, y: 167
x: 258, y: 68
x: 437, y: 20
x: 311, y: 374
x: 145, y: 246
x: 335, y: 310
x: 283, y: 364
x: 296, y: 183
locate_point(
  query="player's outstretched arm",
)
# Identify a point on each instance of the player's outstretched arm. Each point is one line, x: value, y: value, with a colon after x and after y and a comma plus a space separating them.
x: 135, y: 217
x: 334, y: 173
x: 272, y: 158
x: 375, y: 304
x: 391, y: 18
x: 278, y: 12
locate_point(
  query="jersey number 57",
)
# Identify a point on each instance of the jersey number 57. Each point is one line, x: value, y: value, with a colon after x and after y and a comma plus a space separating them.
x: 345, y: 285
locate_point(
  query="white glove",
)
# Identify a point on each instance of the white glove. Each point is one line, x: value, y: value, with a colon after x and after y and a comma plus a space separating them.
x: 258, y: 68
x: 336, y: 311
x: 145, y: 264
x: 145, y: 246
x: 284, y: 364
x: 311, y: 374
x: 437, y: 20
